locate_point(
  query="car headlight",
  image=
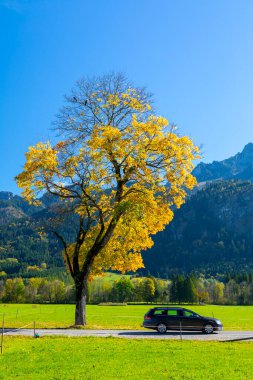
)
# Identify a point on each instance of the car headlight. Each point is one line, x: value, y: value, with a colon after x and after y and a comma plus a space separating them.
x: 218, y: 322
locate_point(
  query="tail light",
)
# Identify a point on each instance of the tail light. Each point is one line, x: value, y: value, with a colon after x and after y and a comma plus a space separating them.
x: 147, y: 317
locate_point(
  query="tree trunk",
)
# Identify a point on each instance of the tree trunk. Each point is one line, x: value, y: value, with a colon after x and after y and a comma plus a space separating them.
x: 81, y: 297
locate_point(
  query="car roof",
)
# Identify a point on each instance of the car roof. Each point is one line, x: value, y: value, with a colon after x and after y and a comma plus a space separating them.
x: 169, y: 308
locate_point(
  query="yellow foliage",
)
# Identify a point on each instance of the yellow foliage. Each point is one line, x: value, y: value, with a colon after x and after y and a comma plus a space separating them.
x: 147, y: 158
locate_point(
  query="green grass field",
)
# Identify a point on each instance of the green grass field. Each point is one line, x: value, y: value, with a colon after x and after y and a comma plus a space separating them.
x: 120, y: 317
x: 115, y: 358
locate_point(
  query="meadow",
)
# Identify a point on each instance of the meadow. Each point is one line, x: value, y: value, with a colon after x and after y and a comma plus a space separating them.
x: 115, y: 358
x: 114, y: 317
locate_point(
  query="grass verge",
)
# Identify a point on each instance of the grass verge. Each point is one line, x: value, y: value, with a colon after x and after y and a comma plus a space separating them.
x: 115, y: 358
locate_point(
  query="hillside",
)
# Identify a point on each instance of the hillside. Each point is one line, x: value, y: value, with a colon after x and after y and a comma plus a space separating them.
x: 212, y: 232
x: 20, y: 244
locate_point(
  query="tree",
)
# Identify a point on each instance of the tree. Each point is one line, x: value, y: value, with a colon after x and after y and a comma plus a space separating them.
x: 173, y: 290
x: 215, y: 290
x: 201, y: 292
x: 231, y: 292
x: 138, y: 289
x: 31, y: 290
x: 44, y: 291
x: 148, y: 289
x: 178, y: 289
x: 2, y: 289
x: 122, y: 290
x: 190, y: 290
x: 14, y: 290
x: 116, y: 174
x: 161, y: 290
x: 57, y: 291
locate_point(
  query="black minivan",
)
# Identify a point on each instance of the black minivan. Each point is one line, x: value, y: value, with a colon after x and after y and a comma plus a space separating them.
x: 178, y: 318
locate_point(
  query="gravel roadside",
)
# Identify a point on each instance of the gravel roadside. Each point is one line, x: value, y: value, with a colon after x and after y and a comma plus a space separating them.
x: 137, y: 334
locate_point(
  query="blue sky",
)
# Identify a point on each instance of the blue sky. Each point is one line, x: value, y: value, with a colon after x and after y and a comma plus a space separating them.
x: 196, y: 56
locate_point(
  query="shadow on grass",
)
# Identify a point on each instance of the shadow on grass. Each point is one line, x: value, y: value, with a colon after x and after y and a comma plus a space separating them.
x: 239, y: 339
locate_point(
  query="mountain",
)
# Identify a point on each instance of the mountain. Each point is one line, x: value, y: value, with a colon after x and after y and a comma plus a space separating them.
x: 13, y: 207
x: 211, y: 233
x: 20, y: 244
x: 239, y: 167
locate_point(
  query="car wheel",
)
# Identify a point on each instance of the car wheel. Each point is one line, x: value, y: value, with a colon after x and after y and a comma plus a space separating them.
x: 162, y: 328
x: 208, y: 328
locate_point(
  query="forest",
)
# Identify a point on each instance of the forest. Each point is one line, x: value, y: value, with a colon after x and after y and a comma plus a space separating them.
x: 236, y: 289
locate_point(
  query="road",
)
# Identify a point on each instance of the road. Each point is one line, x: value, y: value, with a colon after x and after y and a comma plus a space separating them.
x: 137, y: 334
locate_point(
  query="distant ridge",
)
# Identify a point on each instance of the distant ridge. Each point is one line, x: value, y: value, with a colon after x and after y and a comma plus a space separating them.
x: 239, y: 167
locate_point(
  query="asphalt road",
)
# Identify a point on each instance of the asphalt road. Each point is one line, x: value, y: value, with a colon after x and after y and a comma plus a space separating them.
x: 137, y: 334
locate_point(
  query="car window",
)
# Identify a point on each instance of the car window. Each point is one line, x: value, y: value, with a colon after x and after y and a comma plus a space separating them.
x: 172, y: 312
x: 189, y: 314
x: 160, y: 312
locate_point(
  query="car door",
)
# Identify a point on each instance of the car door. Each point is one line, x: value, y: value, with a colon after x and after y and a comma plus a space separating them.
x: 159, y: 316
x: 190, y: 320
x: 173, y: 319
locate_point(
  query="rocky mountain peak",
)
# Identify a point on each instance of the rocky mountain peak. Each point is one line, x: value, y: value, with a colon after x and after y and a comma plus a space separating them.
x: 238, y: 167
x: 6, y: 195
x: 248, y: 150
